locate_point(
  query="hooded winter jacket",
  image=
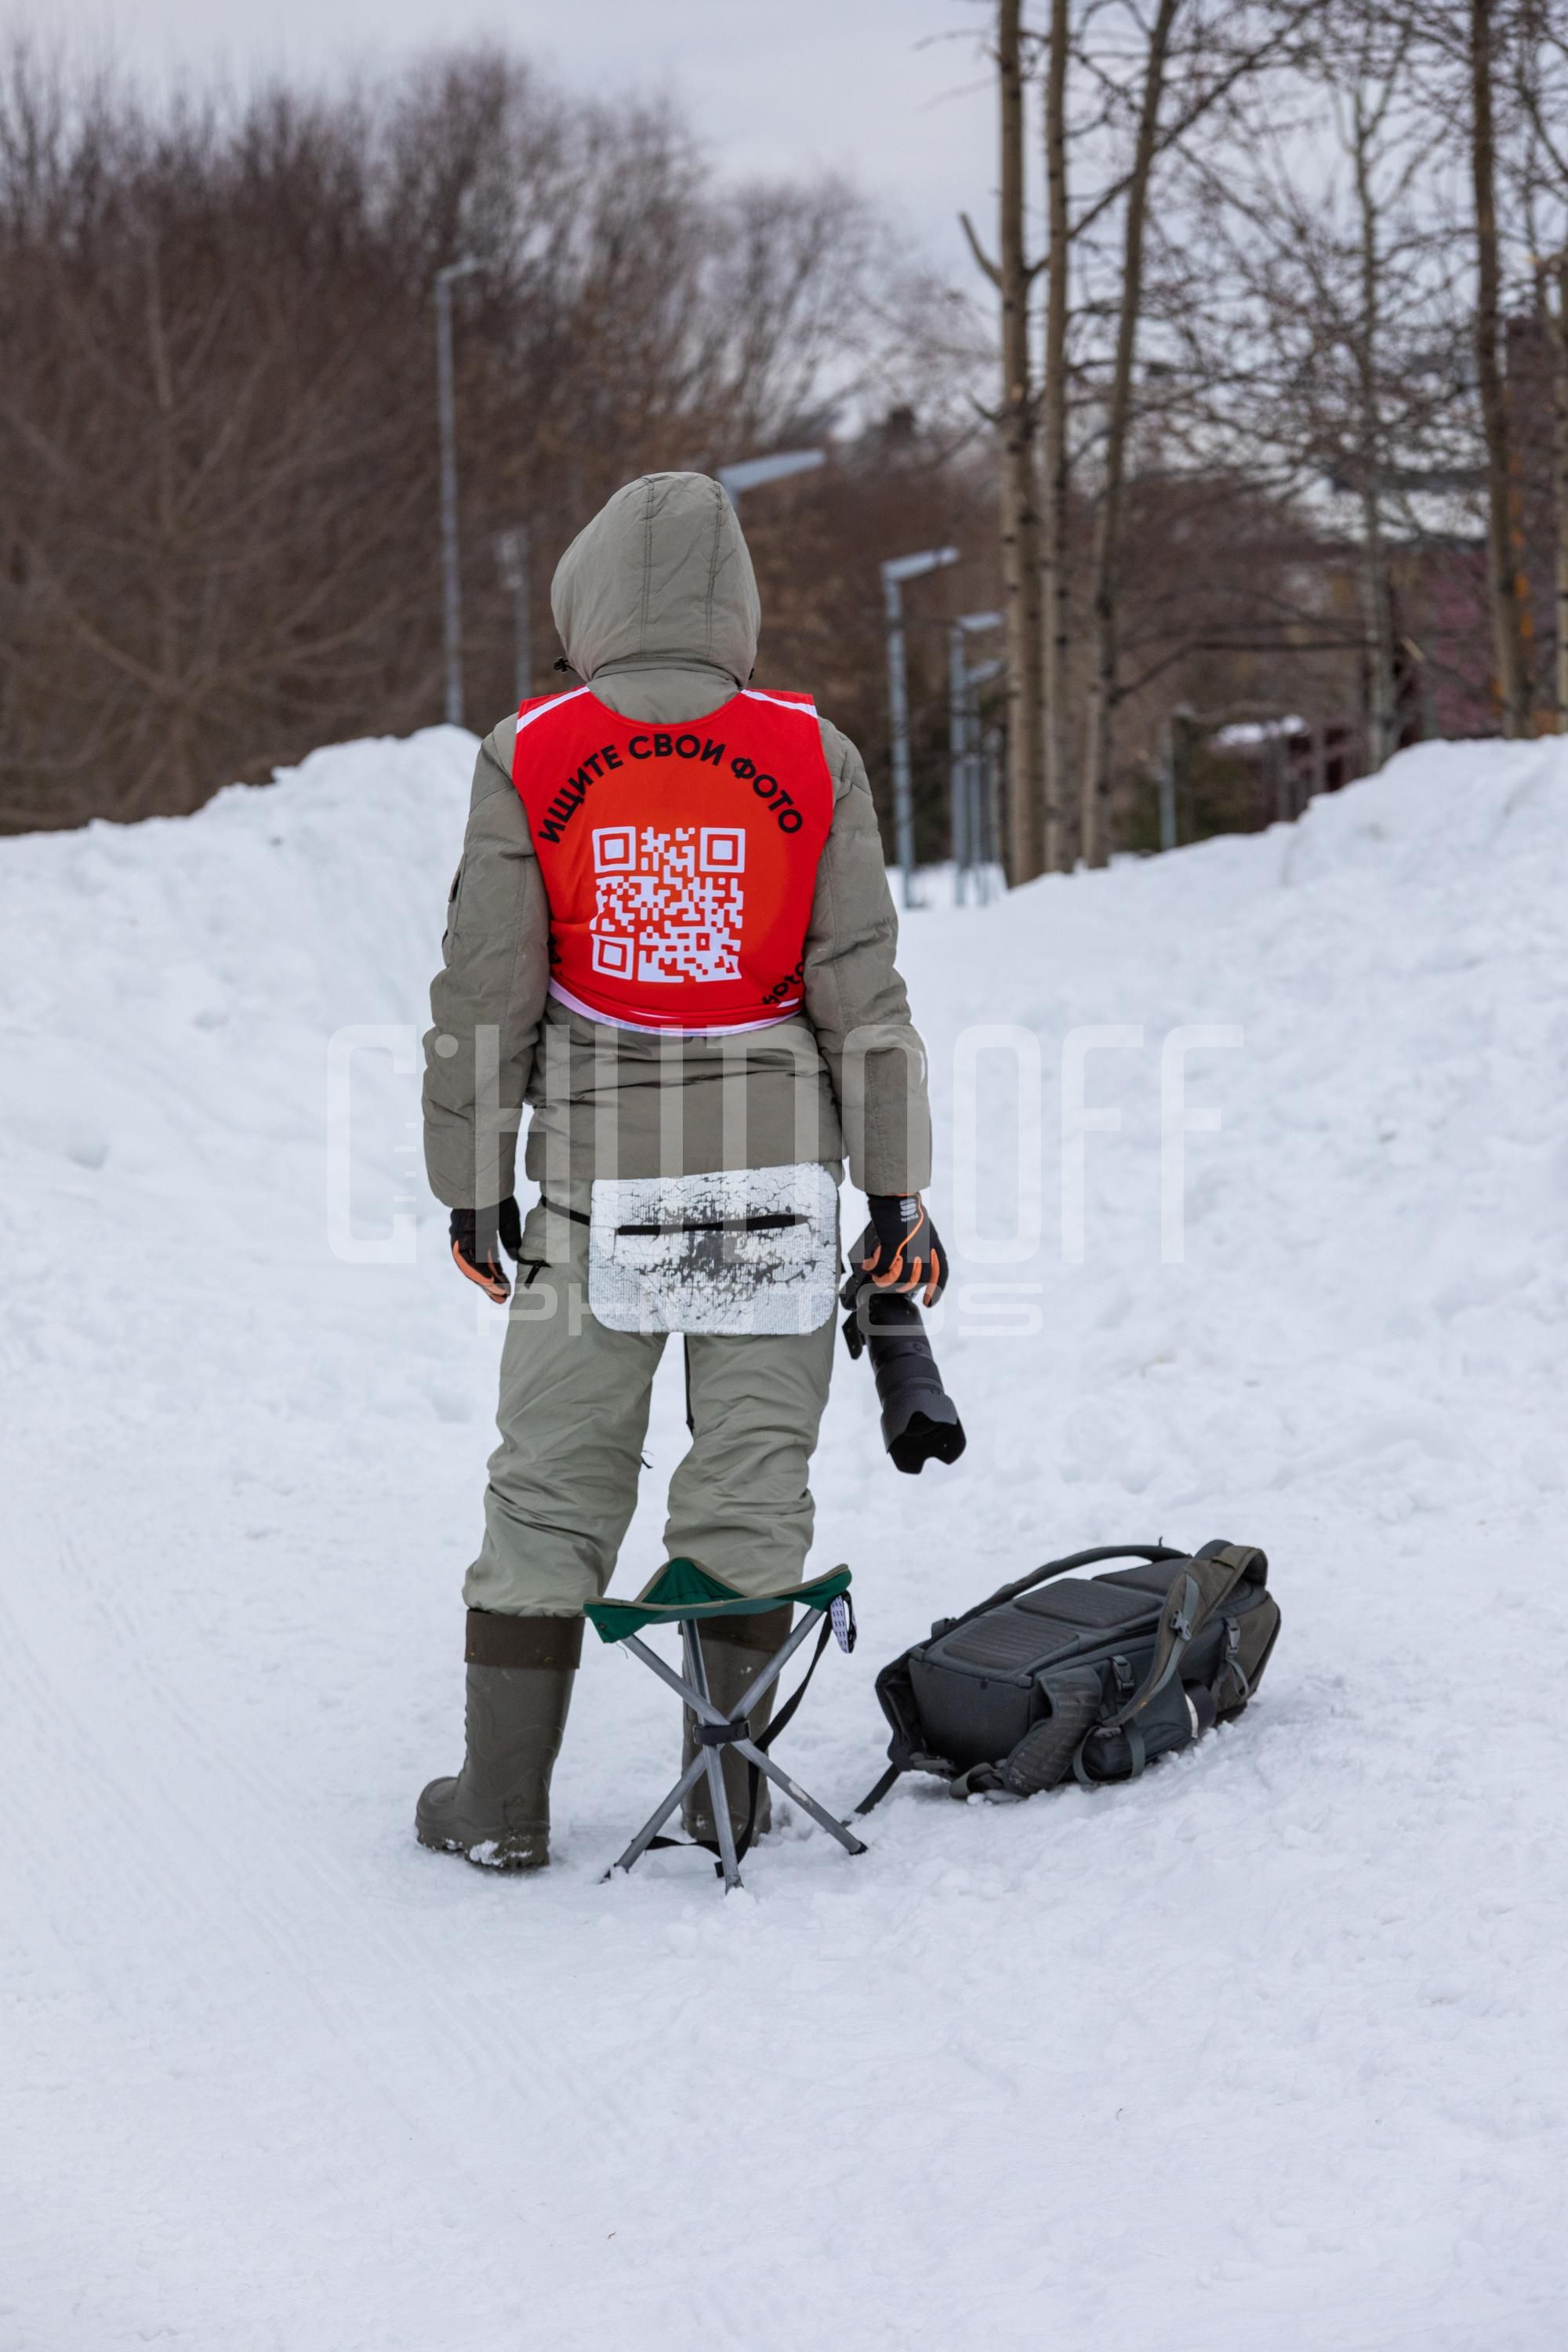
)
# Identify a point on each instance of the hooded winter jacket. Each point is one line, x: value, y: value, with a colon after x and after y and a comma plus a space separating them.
x: 656, y: 606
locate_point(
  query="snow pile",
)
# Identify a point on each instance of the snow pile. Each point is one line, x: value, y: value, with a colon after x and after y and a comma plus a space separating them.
x: 1267, y: 2048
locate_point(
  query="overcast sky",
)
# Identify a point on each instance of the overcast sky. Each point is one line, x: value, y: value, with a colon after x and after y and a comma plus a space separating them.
x: 871, y: 86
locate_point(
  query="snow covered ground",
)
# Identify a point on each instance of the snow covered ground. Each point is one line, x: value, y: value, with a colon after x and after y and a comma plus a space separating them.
x: 1266, y: 2050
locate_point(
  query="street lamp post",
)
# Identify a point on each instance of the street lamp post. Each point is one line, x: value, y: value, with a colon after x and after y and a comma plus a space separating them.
x: 957, y: 756
x: 452, y: 595
x: 511, y: 559
x: 751, y: 473
x: 964, y: 756
x: 984, y: 769
x: 894, y: 573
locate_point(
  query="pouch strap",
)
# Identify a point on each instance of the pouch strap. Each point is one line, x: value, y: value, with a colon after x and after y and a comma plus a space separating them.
x: 721, y: 1735
x: 557, y: 1209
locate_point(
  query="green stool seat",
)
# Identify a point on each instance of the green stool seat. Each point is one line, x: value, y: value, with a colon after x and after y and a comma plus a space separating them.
x: 686, y: 1594
x: 683, y: 1593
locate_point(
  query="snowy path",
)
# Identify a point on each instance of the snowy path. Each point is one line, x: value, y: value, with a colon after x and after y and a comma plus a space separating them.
x: 1266, y: 2050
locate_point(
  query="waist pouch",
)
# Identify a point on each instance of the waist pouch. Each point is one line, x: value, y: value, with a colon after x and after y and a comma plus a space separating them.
x: 1062, y: 1676
x: 740, y: 1250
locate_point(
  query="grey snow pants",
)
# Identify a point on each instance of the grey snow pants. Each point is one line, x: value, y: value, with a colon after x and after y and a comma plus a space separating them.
x: 572, y: 1416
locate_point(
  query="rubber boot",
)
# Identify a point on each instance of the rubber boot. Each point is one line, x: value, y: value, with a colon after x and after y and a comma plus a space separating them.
x: 497, y: 1808
x: 734, y: 1650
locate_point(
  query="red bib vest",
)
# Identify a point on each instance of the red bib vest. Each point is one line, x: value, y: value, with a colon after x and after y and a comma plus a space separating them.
x: 679, y: 862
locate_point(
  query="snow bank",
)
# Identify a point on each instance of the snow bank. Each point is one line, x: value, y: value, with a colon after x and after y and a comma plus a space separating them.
x: 1266, y: 2048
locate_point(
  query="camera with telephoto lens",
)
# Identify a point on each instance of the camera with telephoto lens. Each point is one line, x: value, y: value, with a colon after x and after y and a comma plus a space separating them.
x: 920, y: 1420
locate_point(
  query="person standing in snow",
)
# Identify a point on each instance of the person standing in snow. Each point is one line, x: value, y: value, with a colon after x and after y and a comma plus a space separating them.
x: 670, y: 936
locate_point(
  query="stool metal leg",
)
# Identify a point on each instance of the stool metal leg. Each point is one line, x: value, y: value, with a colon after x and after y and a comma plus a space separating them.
x: 719, y: 1796
x: 776, y: 1663
x: 704, y: 1706
x: 692, y: 1687
x: 781, y: 1778
x: 655, y: 1822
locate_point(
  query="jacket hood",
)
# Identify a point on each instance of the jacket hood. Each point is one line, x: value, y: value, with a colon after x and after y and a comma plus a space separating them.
x: 661, y: 575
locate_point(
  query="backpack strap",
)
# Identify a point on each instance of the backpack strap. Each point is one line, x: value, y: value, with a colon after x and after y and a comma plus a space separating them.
x: 1210, y: 1577
x: 1136, y: 1752
x: 1179, y: 1620
x: 1230, y: 1666
x: 874, y: 1796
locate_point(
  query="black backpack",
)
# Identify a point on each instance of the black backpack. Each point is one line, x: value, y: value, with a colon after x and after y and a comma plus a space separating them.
x: 1094, y: 1677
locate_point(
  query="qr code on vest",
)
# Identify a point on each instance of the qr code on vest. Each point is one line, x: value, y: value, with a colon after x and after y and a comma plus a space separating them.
x: 668, y: 904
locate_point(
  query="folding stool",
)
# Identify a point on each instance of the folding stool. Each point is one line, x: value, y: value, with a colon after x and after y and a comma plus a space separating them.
x: 685, y: 1594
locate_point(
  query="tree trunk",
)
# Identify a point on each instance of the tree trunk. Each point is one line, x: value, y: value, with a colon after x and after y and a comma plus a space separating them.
x: 1507, y: 603
x: 1020, y: 506
x: 1560, y: 483
x: 1382, y: 717
x: 1554, y: 321
x: 1095, y: 816
x: 1057, y: 619
x: 1382, y: 711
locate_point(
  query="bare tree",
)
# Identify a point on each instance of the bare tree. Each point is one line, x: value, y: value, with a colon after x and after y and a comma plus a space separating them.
x: 1058, y: 600
x: 1373, y: 84
x: 1541, y: 183
x: 1148, y: 97
x: 1095, y: 819
x: 1373, y: 292
x: 1507, y: 593
x: 1013, y: 273
x: 218, y: 486
x: 1551, y: 281
x: 1338, y: 255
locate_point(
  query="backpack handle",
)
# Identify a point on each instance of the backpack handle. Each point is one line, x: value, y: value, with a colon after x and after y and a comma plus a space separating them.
x: 1152, y: 1553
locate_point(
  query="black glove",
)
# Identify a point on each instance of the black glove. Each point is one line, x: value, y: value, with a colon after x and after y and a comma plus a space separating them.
x: 478, y: 1235
x: 906, y: 1254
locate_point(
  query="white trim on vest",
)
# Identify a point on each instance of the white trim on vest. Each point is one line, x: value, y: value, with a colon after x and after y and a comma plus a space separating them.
x: 663, y: 1028
x: 806, y: 709
x: 556, y: 702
